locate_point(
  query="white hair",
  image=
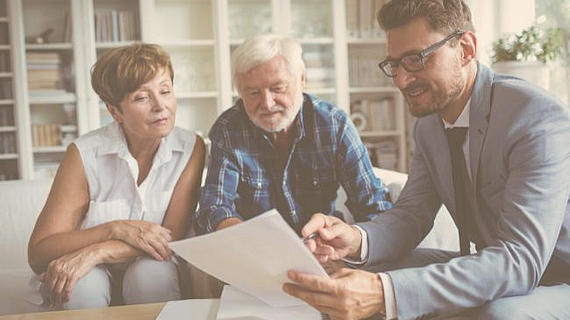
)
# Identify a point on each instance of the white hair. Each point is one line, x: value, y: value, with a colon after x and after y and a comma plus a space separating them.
x: 262, y: 48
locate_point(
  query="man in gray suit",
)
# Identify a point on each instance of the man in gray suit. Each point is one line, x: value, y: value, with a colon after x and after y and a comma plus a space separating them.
x: 506, y: 184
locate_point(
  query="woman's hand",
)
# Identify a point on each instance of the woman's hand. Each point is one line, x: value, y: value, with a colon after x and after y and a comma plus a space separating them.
x: 62, y: 274
x: 146, y: 236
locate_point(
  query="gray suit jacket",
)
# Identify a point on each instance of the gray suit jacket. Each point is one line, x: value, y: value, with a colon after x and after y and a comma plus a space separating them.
x: 520, y: 163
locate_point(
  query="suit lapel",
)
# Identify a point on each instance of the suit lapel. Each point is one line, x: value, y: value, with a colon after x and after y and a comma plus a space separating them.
x: 479, y: 118
x: 439, y: 158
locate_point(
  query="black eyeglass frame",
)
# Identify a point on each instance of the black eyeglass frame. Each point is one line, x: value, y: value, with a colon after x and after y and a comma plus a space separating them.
x: 422, y: 56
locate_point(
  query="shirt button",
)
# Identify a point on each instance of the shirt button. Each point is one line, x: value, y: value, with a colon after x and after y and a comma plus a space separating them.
x: 315, y: 182
x: 259, y: 184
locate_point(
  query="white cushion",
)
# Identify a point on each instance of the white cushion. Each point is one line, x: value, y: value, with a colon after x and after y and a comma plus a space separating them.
x: 444, y: 232
x: 15, y: 292
x: 21, y: 202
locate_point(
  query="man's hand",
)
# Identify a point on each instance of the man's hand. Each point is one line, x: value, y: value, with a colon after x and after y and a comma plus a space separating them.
x: 145, y: 236
x: 336, y: 239
x: 348, y: 294
x: 227, y: 223
x: 62, y: 274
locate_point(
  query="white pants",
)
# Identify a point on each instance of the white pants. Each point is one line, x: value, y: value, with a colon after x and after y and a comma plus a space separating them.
x: 144, y: 280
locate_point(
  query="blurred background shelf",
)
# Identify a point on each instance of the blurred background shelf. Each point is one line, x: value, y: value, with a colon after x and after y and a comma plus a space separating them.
x: 200, y: 36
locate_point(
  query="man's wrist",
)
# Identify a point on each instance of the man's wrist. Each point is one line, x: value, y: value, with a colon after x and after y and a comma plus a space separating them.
x: 227, y: 223
x: 381, y: 292
x: 356, y: 244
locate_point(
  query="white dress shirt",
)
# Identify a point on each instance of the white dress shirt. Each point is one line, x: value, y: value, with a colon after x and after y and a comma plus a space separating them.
x: 112, y: 174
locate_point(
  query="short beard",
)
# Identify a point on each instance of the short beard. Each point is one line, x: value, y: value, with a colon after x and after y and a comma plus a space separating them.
x: 282, y: 125
x: 438, y: 105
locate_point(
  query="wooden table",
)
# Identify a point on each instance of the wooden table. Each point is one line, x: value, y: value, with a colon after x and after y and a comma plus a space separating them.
x: 204, y: 311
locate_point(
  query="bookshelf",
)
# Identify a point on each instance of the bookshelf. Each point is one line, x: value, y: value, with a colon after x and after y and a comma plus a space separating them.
x: 187, y: 30
x: 106, y: 25
x: 52, y: 80
x: 376, y: 105
x: 9, y: 158
x: 341, y: 44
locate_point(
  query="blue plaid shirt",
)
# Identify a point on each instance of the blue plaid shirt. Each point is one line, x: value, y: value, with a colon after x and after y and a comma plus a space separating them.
x: 245, y: 179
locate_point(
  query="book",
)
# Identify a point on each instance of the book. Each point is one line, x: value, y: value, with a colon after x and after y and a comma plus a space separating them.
x: 365, y: 18
x: 352, y: 26
x: 67, y: 32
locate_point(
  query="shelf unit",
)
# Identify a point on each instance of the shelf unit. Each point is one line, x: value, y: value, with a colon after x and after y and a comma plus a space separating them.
x: 200, y: 36
x: 9, y: 157
x: 51, y: 69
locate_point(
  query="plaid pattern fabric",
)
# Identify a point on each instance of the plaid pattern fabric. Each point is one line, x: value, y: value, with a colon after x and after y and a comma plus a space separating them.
x: 245, y: 177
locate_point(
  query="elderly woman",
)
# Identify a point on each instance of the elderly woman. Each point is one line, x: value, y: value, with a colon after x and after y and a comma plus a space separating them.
x: 122, y: 192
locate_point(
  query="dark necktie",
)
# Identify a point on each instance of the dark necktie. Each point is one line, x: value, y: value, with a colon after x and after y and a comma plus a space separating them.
x: 455, y: 138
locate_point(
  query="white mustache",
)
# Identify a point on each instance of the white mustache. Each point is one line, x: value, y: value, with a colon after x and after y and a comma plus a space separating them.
x: 276, y: 108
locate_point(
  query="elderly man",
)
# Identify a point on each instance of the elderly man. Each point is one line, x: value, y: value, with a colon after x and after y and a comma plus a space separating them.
x: 280, y: 148
x: 495, y: 151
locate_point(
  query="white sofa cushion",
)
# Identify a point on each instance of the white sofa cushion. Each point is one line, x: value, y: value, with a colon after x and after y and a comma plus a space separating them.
x: 17, y: 295
x: 444, y: 233
x: 20, y: 205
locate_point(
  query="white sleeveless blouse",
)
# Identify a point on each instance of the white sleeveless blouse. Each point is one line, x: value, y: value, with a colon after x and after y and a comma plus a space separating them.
x: 112, y: 173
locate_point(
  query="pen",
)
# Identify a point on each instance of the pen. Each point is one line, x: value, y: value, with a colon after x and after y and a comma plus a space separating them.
x: 313, y: 235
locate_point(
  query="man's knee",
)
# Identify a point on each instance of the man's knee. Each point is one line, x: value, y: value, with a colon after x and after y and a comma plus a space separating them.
x: 147, y: 280
x: 544, y: 302
x: 91, y: 291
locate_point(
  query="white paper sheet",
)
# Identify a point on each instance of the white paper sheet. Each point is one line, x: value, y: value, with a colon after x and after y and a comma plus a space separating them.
x: 198, y: 309
x: 253, y: 256
x: 236, y: 304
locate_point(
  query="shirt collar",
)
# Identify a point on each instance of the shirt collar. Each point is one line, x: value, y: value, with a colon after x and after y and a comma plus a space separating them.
x: 463, y: 119
x: 114, y: 142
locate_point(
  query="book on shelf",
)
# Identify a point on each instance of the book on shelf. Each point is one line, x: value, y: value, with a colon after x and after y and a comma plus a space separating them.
x: 67, y: 31
x: 6, y: 116
x: 114, y: 25
x: 352, y: 13
x: 381, y: 115
x: 365, y: 18
x: 363, y: 68
x: 361, y: 18
x: 377, y: 32
x: 5, y: 62
x: 319, y: 77
x: 7, y: 142
x: 318, y: 66
x: 383, y: 154
x: 378, y: 114
x: 51, y: 94
x: 46, y: 135
x: 3, y: 9
x: 4, y: 34
x: 43, y: 58
x: 44, y: 71
x: 5, y: 89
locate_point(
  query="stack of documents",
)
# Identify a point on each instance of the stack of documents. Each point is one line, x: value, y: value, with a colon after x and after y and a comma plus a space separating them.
x: 253, y: 256
x: 236, y: 304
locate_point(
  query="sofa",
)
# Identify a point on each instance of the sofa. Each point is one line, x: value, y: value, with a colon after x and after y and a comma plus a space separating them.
x: 21, y: 201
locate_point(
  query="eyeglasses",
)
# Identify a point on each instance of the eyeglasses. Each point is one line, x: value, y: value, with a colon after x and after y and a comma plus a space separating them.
x: 416, y: 61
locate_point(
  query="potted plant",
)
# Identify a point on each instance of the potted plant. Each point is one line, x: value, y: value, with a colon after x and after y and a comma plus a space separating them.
x: 527, y: 53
